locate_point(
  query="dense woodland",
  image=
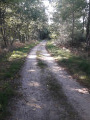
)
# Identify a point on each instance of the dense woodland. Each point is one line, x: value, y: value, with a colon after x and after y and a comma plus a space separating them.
x: 25, y: 22
x: 22, y: 24
x: 21, y: 20
x: 71, y: 23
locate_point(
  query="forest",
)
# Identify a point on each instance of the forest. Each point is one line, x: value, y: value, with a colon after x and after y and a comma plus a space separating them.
x: 70, y: 31
x: 71, y: 22
x: 25, y: 23
x: 24, y: 20
x: 21, y: 20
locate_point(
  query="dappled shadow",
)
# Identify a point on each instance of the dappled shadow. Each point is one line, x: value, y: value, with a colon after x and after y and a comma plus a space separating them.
x: 61, y: 73
x: 76, y: 93
x: 37, y: 102
x: 34, y: 84
x: 82, y: 90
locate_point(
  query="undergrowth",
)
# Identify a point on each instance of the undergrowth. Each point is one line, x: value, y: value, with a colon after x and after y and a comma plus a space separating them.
x: 10, y: 65
x: 77, y: 66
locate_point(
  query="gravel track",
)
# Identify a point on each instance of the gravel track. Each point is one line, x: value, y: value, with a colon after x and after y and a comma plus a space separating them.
x: 37, y: 102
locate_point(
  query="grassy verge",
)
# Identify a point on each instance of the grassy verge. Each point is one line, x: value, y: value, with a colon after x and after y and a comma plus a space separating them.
x: 10, y: 65
x: 77, y: 66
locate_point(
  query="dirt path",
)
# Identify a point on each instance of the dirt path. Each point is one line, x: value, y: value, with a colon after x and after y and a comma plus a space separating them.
x: 42, y: 95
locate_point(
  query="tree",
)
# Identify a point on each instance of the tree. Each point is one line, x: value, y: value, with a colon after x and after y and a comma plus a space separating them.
x: 72, y: 15
x: 19, y: 18
x: 88, y: 26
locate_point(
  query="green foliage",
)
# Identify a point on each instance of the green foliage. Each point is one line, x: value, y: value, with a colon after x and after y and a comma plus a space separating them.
x: 9, y: 68
x: 77, y: 66
x: 40, y: 62
x: 19, y: 19
x: 70, y: 18
x: 68, y: 6
x: 5, y: 95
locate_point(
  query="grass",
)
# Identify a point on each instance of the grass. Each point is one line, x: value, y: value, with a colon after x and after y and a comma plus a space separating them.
x: 40, y: 62
x: 55, y: 90
x: 55, y: 87
x: 10, y: 65
x: 77, y: 66
x: 58, y: 95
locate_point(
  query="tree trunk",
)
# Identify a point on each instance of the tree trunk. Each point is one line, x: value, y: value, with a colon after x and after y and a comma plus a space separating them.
x: 88, y: 28
x: 83, y: 24
x: 4, y: 37
x: 23, y: 39
x: 73, y: 23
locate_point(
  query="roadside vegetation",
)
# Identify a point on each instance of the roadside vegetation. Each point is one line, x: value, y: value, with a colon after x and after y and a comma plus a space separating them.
x: 55, y: 91
x: 76, y: 65
x: 40, y: 62
x: 22, y: 23
x: 70, y: 32
x: 71, y: 22
x: 10, y: 64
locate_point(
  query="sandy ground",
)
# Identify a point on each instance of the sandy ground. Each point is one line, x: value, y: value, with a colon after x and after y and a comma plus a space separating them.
x: 37, y: 101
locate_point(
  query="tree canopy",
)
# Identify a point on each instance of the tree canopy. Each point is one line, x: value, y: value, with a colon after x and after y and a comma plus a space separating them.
x: 72, y: 18
x: 21, y: 20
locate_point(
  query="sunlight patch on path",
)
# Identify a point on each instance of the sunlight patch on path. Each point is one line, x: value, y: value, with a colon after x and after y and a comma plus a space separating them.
x: 77, y: 94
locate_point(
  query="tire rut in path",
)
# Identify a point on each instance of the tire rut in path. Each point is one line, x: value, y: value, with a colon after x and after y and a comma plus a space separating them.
x: 37, y: 102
